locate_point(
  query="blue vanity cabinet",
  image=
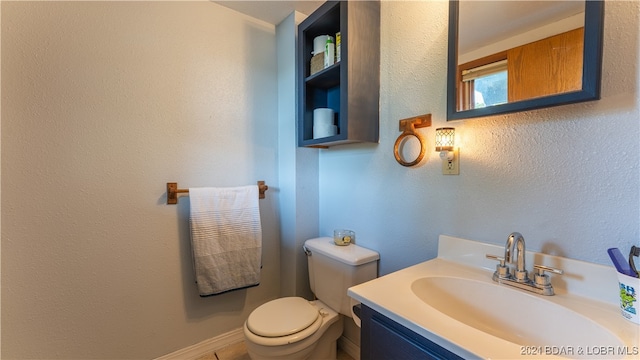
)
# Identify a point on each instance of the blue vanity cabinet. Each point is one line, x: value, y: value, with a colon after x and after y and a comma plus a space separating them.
x: 385, y: 339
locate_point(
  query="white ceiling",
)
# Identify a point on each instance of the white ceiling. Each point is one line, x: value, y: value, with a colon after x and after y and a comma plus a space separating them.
x: 271, y: 11
x: 505, y: 17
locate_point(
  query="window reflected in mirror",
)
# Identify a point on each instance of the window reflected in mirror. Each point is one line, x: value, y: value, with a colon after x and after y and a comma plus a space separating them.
x: 483, y: 83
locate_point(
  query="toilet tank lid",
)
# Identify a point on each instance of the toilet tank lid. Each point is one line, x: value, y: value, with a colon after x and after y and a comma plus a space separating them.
x: 350, y: 254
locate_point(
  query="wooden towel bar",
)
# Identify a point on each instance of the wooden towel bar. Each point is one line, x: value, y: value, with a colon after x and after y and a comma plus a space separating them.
x: 173, y: 191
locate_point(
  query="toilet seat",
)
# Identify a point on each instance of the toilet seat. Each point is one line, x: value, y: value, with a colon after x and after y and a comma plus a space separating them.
x: 283, y: 321
x: 282, y: 317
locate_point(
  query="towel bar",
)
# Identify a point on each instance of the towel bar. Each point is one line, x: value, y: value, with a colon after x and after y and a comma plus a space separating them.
x: 172, y: 191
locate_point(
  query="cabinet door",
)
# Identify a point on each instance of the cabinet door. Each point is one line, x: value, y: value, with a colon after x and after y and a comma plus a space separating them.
x: 384, y: 339
x: 546, y: 67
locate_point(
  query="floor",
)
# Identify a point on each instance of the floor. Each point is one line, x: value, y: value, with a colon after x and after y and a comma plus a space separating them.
x: 238, y: 351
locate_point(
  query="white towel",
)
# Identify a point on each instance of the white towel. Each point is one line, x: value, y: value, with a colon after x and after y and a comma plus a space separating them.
x: 226, y: 238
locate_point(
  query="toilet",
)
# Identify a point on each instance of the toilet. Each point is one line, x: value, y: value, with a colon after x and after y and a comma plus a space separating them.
x: 296, y: 328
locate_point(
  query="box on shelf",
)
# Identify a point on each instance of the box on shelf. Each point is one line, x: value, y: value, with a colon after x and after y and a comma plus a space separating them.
x: 317, y: 63
x: 338, y: 43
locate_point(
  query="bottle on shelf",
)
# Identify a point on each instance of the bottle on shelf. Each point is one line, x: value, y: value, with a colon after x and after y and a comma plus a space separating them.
x: 329, y: 52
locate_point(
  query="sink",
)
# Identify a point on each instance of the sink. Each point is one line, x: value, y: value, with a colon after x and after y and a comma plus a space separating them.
x: 510, y: 314
x: 452, y: 302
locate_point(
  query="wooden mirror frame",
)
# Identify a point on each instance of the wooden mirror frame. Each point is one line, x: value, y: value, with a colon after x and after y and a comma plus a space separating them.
x: 591, y: 70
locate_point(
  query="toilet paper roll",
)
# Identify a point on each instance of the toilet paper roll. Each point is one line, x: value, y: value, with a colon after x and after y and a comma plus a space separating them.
x: 320, y: 131
x: 319, y: 43
x: 323, y: 116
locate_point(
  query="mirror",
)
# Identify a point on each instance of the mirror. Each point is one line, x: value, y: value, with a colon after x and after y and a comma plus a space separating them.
x: 509, y: 56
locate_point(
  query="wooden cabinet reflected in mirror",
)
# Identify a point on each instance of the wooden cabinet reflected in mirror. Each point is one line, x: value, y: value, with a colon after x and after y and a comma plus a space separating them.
x: 509, y: 56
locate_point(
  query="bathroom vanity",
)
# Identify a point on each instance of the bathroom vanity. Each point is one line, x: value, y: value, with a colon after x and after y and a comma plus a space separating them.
x: 450, y: 307
x: 383, y: 338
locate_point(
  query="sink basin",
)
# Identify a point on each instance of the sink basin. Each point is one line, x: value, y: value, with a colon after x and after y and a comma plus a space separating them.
x: 511, y: 314
x: 452, y: 302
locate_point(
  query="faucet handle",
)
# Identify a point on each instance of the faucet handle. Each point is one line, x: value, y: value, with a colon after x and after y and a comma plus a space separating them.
x: 542, y: 279
x: 540, y: 269
x: 497, y: 258
x: 502, y: 271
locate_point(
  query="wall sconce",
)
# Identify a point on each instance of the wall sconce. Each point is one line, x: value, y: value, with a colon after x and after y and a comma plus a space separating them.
x: 445, y: 144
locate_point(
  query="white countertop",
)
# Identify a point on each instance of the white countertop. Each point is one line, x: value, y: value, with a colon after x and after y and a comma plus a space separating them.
x: 583, y: 289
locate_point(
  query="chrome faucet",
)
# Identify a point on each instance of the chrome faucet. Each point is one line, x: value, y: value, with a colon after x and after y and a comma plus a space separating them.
x: 516, y: 239
x: 520, y: 277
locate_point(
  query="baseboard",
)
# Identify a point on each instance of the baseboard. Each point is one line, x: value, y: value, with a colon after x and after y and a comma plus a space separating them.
x: 205, y: 347
x: 349, y: 347
x: 235, y: 336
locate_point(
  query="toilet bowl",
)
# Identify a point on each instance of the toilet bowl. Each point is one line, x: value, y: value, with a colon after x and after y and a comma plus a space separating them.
x: 298, y: 329
x: 292, y: 328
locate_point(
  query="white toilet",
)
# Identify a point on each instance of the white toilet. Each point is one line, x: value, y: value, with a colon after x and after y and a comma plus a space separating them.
x: 295, y: 328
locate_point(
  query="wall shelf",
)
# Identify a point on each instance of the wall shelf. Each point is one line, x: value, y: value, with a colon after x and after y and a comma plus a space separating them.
x: 325, y: 78
x: 351, y: 87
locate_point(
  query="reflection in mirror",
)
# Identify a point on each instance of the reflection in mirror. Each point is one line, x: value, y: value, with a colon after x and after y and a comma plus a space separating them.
x: 507, y: 56
x: 542, y: 51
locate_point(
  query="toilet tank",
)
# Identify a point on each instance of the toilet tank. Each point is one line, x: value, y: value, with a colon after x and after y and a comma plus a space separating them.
x: 333, y: 269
